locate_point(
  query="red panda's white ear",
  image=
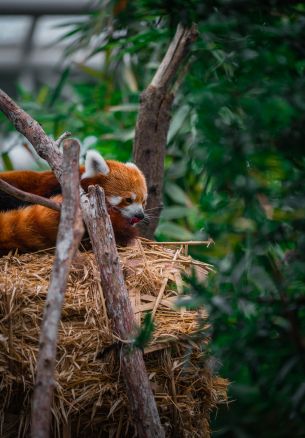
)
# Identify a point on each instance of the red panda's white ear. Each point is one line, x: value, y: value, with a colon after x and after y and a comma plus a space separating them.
x: 94, y: 165
x: 132, y: 165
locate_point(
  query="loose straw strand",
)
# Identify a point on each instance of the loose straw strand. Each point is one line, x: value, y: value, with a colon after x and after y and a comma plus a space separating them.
x: 164, y: 283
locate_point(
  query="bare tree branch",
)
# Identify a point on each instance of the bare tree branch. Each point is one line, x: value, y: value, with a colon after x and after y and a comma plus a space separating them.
x: 176, y: 53
x: 61, y: 138
x: 69, y: 236
x: 28, y: 197
x: 120, y: 312
x: 27, y: 126
x: 154, y: 119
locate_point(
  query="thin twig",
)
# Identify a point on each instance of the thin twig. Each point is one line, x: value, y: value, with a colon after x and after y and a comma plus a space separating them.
x: 61, y: 138
x: 184, y: 242
x: 164, y: 283
x: 28, y: 197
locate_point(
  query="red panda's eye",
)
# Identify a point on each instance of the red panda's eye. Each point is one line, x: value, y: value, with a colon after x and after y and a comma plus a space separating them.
x: 128, y: 200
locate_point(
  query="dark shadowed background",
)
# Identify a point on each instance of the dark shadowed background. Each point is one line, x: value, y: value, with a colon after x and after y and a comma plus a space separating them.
x: 234, y: 167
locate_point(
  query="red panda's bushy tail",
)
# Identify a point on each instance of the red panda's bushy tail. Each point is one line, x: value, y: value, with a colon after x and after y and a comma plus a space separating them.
x: 29, y: 229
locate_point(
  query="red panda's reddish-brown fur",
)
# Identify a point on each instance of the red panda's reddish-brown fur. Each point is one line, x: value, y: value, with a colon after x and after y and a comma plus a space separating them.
x: 34, y: 227
x: 28, y: 229
x: 122, y: 181
x: 38, y: 183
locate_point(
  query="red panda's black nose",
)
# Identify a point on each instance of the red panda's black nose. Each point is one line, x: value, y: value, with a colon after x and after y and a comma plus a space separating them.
x: 139, y: 216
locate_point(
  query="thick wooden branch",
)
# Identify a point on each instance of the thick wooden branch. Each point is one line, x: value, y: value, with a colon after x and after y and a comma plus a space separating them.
x: 120, y: 312
x: 69, y: 236
x: 154, y: 119
x: 28, y: 197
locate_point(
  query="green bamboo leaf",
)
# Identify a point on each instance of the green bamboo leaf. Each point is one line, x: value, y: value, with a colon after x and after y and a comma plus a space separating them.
x: 178, y: 121
x: 60, y: 84
x: 177, y: 194
x: 174, y: 231
x: 7, y: 162
x: 169, y: 213
x: 145, y: 332
x: 96, y: 74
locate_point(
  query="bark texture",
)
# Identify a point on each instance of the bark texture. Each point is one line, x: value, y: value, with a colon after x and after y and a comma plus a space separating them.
x: 69, y: 236
x: 153, y: 122
x: 139, y: 392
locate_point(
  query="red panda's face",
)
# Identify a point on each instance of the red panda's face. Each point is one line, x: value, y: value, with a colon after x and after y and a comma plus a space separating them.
x: 124, y: 185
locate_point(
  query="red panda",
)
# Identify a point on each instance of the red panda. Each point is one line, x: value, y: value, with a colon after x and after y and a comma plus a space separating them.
x: 35, y: 227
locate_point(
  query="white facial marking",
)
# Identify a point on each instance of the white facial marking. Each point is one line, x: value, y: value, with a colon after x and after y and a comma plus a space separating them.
x: 94, y: 165
x: 133, y: 196
x: 132, y: 209
x: 114, y: 200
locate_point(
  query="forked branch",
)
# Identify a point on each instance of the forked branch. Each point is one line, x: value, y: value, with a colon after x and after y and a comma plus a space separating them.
x: 154, y: 119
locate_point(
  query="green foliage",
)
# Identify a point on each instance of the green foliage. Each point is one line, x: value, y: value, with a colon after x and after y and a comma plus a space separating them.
x: 145, y: 332
x: 234, y: 172
x: 7, y: 163
x: 239, y: 157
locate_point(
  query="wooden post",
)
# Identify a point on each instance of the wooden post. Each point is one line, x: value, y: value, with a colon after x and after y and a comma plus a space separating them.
x: 69, y: 236
x: 119, y: 309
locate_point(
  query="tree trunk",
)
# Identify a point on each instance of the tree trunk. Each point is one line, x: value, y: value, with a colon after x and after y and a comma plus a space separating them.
x: 153, y: 123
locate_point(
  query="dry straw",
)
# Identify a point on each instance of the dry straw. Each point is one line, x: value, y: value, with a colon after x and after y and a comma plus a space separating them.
x: 90, y: 399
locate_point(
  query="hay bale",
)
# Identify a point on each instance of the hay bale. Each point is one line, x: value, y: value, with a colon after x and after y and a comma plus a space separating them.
x: 89, y: 398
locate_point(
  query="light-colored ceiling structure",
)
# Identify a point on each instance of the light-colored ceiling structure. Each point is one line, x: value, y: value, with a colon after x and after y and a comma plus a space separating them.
x: 29, y: 32
x: 31, y: 55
